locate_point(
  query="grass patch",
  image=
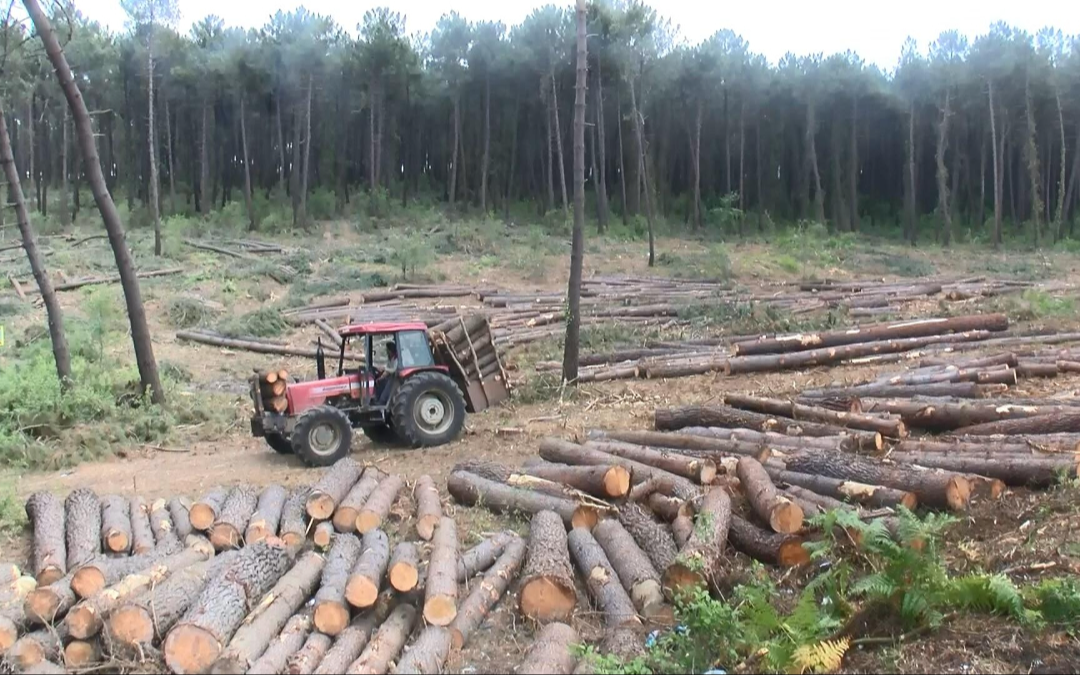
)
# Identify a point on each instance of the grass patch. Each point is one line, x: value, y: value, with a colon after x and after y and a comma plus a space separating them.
x: 1033, y: 305
x: 713, y: 262
x: 738, y: 318
x: 188, y: 312
x: 304, y: 290
x: 11, y: 308
x: 265, y: 322
x: 12, y: 515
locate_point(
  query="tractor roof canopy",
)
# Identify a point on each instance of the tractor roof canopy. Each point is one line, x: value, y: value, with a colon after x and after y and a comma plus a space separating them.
x: 381, y: 328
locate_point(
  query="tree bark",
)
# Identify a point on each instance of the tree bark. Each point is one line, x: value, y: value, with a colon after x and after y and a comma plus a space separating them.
x: 403, y: 571
x: 811, y: 152
x: 1031, y: 155
x: 307, y: 658
x: 1050, y: 423
x: 632, y: 565
x: 322, y: 535
x: 696, y: 160
x: 349, y: 508
x: 487, y: 593
x: 601, y: 137
x: 606, y: 482
x: 456, y: 143
x: 293, y: 529
x: 577, y: 251
x: 151, y: 141
x: 784, y: 550
x: 643, y: 169
x: 1017, y: 470
x: 332, y: 488
x: 365, y: 579
x: 280, y: 143
x: 378, y: 505
x: 944, y: 211
x: 236, y: 511
x: 428, y: 507
x: 673, y: 419
x: 910, y: 201
x: 441, y: 589
x: 875, y: 496
x: 552, y: 652
x: 701, y: 563
x: 997, y: 165
x: 487, y: 144
x: 331, y: 612
x: 694, y: 468
x: 853, y: 165
x: 115, y: 524
x: 93, y: 577
x: 160, y: 522
x: 264, y: 522
x: 470, y: 489
x: 885, y: 427
x: 54, y: 313
x: 307, y: 156
x: 558, y: 144
x: 783, y: 515
x: 247, y: 167
x: 601, y: 580
x: 483, y: 555
x: 204, y: 513
x: 282, y: 646
x: 46, y: 516
x: 350, y: 642
x: 652, y: 537
x: 622, y: 165
x: 82, y: 520
x: 387, y: 643
x: 547, y: 584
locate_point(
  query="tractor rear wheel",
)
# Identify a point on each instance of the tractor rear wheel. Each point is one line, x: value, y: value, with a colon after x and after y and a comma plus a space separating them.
x: 279, y: 443
x: 382, y: 434
x: 322, y: 436
x: 427, y: 409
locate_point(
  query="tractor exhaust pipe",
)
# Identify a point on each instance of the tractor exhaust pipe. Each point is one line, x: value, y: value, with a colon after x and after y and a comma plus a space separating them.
x: 320, y: 360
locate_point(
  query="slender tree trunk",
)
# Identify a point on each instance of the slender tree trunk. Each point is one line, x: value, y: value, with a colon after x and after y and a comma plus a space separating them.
x: 1059, y: 212
x: 513, y: 163
x: 577, y: 251
x: 912, y: 220
x: 695, y: 158
x: 622, y: 164
x: 943, y: 173
x: 558, y: 145
x: 742, y: 168
x: 307, y: 157
x: 811, y: 151
x: 37, y: 266
x: 169, y: 152
x: 727, y: 146
x: 853, y: 165
x: 455, y: 144
x: 643, y: 169
x: 129, y: 282
x: 602, y: 142
x: 151, y: 141
x: 595, y: 175
x: 954, y: 201
x: 487, y: 145
x: 982, y: 182
x: 997, y: 166
x: 205, y: 199
x: 758, y: 170
x: 280, y: 145
x: 65, y: 214
x: 247, y: 166
x: 406, y: 146
x: 1071, y: 189
x: 380, y: 156
x: 550, y: 203
x: 839, y: 207
x: 31, y: 123
x: 1031, y: 154
x: 296, y: 167
x: 373, y: 140
x: 76, y: 185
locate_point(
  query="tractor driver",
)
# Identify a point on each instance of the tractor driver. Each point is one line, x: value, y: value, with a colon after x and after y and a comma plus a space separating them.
x: 382, y: 389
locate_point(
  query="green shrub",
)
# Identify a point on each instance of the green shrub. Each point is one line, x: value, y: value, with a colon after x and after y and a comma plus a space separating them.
x: 409, y: 251
x: 265, y: 322
x: 321, y: 204
x: 188, y: 312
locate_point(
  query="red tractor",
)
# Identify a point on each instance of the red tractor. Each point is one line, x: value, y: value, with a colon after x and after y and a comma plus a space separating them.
x: 414, y: 401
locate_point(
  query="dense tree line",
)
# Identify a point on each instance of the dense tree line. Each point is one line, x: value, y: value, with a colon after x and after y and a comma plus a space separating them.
x: 980, y: 136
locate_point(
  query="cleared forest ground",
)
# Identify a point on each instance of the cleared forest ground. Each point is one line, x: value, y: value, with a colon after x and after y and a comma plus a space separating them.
x: 1026, y: 535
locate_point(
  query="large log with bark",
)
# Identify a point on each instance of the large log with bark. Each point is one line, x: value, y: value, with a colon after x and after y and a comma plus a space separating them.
x: 719, y: 442
x: 547, y: 583
x: 607, y: 482
x: 82, y: 520
x: 441, y: 588
x: 553, y: 651
x: 483, y: 555
x: 161, y: 523
x: 487, y: 592
x: 512, y: 477
x: 264, y: 522
x: 557, y: 450
x: 349, y: 508
x: 387, y: 643
x: 80, y: 654
x: 293, y: 526
x: 47, y: 603
x: 365, y: 580
x: 275, y: 657
x: 601, y: 580
x: 115, y: 524
x: 271, y: 616
x: 378, y: 505
x: 681, y: 528
x: 694, y: 468
x: 938, y: 415
x: 783, y: 515
x: 332, y: 487
x: 845, y: 490
x: 92, y: 578
x: 350, y: 642
x: 132, y: 627
x: 891, y: 428
x: 46, y: 515
x: 884, y: 390
x: 404, y: 569
x: 308, y: 657
x: 785, y: 550
x: 701, y: 563
x: 471, y: 490
x: 1032, y: 446
x: 204, y: 513
x: 633, y: 567
x: 331, y: 612
x: 40, y: 646
x: 673, y: 419
x: 323, y: 535
x: 427, y: 654
x: 938, y: 489
x: 194, y: 643
x: 760, y: 439
x: 179, y: 511
x: 428, y: 507
x: 652, y: 537
x: 1016, y: 470
x: 1051, y: 423
x: 236, y: 511
x: 142, y: 535
x: 863, y: 334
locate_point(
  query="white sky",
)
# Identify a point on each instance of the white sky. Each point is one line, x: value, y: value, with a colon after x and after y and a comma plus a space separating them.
x: 872, y: 28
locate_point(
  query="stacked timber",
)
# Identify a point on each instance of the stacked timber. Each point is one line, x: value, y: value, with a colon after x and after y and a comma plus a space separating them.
x: 272, y: 385
x: 468, y: 341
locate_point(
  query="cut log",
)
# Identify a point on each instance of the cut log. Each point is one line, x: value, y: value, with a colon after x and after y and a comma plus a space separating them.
x: 365, y: 580
x: 44, y: 668
x: 254, y: 345
x: 161, y: 523
x: 813, y: 503
x: 132, y: 627
x: 46, y: 516
x: 387, y: 643
x: 681, y: 528
x: 93, y: 281
x: 37, y: 647
x: 404, y: 567
x: 673, y: 419
x: 179, y: 508
x: 331, y: 612
x: 487, y: 592
x: 82, y: 653
x: 323, y: 535
x: 351, y: 642
x: 427, y: 654
x: 510, y: 476
x: 1052, y: 423
x: 1028, y: 446
x: 694, y: 468
x: 441, y: 589
x: 204, y: 513
x: 9, y: 633
x: 264, y: 522
x: 838, y: 488
x: 346, y: 512
x: 378, y: 505
x: 1033, y: 369
x: 293, y: 526
x: 483, y: 555
x: 307, y: 659
x: 82, y: 520
x: 553, y: 449
x: 634, y: 569
x: 272, y: 615
x: 228, y: 530
x: 608, y: 482
x: 428, y: 507
x: 46, y: 604
x: 669, y: 508
x: 194, y: 643
x: 750, y: 442
x: 785, y: 550
x: 282, y: 646
x: 471, y: 490
x: 783, y: 515
x: 92, y: 578
x: 940, y: 389
x: 547, y: 584
x: 1017, y: 470
x: 553, y: 651
x: 142, y: 537
x: 332, y: 488
x: 651, y: 536
x: 86, y: 619
x: 938, y: 489
x: 891, y: 428
x: 935, y: 415
x: 702, y: 563
x: 866, y: 334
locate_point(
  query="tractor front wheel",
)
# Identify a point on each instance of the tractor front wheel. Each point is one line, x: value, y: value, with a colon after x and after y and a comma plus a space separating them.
x: 279, y: 443
x: 428, y: 409
x: 322, y: 436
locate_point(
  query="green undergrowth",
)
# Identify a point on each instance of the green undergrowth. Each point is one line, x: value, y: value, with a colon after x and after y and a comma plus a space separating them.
x: 743, y: 318
x: 265, y: 322
x: 1033, y: 305
x: 877, y: 591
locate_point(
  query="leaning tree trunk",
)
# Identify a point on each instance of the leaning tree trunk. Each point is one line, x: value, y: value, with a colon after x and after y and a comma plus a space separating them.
x: 558, y: 144
x: 37, y: 265
x: 642, y: 168
x: 811, y: 151
x: 487, y: 144
x: 140, y: 331
x: 65, y: 214
x: 577, y: 249
x: 307, y: 158
x: 943, y: 173
x: 1031, y: 155
x: 1059, y: 212
x: 622, y: 163
x: 247, y: 167
x: 152, y: 141
x: 601, y: 184
x: 997, y: 167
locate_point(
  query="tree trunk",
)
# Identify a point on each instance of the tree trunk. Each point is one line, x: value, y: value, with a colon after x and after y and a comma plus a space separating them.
x: 293, y: 526
x: 471, y: 489
x: 622, y: 164
x: 54, y: 313
x: 886, y: 427
x: 377, y: 507
x: 142, y: 537
x: 853, y: 165
x: 365, y: 578
x: 46, y: 516
x: 577, y: 250
x: 875, y: 496
x: 428, y: 507
x: 701, y: 563
x: 307, y: 157
x: 982, y: 183
x: 205, y: 198
x: 455, y: 144
x: 331, y: 612
x: 332, y: 488
x: 672, y: 419
x: 634, y: 569
x: 404, y: 570
x: 742, y: 167
x: 373, y: 140
x: 115, y: 524
x: 204, y: 513
x: 65, y: 213
x: 912, y: 202
x: 696, y: 469
x: 483, y: 555
x: 1031, y: 154
x: 281, y: 647
x: 773, y: 549
x: 82, y: 520
x: 944, y: 210
x: 652, y: 537
x: 487, y: 144
x: 607, y: 482
x: 643, y: 169
x: 155, y: 206
x: 602, y: 142
x: 811, y: 151
x: 553, y: 651
x: 91, y: 578
x: 350, y: 642
x: 304, y: 661
x: 280, y: 143
x: 782, y: 515
x: 558, y: 144
x: 547, y: 583
x: 349, y: 507
x: 1049, y: 423
x: 228, y: 531
x: 839, y: 207
x: 247, y: 167
x: 1059, y: 212
x: 441, y: 589
x: 169, y: 156
x: 487, y: 593
x: 997, y: 166
x: 140, y: 332
x: 601, y: 580
x: 387, y: 644
x: 695, y: 158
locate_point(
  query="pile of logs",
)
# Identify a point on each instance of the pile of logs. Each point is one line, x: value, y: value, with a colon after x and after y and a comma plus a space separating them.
x: 468, y: 342
x: 272, y: 386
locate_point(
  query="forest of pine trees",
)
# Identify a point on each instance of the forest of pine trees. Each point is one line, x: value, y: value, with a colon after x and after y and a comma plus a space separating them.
x: 961, y: 139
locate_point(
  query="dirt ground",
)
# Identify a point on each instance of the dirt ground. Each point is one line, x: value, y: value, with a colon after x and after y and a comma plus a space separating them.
x: 1023, y: 530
